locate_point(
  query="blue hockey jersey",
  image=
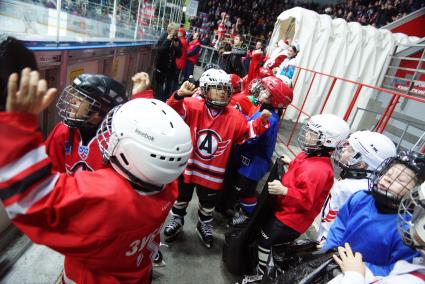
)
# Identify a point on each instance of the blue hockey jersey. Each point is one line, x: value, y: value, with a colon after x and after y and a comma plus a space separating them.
x: 254, y: 156
x: 369, y: 232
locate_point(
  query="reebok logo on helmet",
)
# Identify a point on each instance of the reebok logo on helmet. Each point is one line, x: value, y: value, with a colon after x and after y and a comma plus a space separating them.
x: 144, y: 134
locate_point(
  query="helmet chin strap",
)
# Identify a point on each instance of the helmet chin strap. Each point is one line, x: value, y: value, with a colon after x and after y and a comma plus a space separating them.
x: 138, y: 183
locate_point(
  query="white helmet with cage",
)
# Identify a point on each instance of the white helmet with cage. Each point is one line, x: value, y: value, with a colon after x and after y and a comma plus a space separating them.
x: 363, y: 151
x: 411, y: 218
x: 216, y: 87
x: 146, y: 141
x: 322, y: 132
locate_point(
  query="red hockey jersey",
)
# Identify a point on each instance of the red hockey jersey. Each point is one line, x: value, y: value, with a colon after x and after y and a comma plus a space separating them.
x: 309, y: 181
x: 108, y: 231
x: 73, y: 158
x: 212, y: 139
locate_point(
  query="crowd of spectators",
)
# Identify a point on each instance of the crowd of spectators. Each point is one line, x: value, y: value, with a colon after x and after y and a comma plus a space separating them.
x: 257, y: 18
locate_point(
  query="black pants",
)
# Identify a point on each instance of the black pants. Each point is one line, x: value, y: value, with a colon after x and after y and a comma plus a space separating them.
x: 207, y: 200
x: 273, y: 232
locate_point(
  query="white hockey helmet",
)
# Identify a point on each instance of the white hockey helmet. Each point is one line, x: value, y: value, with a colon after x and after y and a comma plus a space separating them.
x: 322, y: 132
x: 220, y: 82
x: 363, y: 151
x: 146, y: 141
x: 411, y: 218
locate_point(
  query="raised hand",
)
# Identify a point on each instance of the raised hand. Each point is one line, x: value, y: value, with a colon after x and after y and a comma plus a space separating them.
x: 265, y: 114
x: 187, y: 89
x: 141, y: 82
x: 32, y: 97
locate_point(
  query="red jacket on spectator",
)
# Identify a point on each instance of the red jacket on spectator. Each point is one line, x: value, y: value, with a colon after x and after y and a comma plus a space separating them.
x: 193, y: 51
x: 181, y: 61
x: 254, y: 67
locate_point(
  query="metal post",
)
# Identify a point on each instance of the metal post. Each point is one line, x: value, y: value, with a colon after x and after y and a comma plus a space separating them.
x: 302, y: 107
x: 58, y: 20
x: 328, y: 94
x: 353, y: 101
x: 137, y: 20
x: 390, y: 113
x: 150, y: 15
x: 159, y: 14
x: 113, y: 29
x: 163, y: 16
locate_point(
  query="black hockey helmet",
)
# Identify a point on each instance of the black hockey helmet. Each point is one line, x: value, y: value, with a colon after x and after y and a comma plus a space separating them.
x: 99, y: 93
x: 397, y: 176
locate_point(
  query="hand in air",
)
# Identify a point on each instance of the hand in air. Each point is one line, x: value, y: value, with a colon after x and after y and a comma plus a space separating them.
x: 141, y: 82
x: 265, y: 114
x: 30, y: 95
x: 187, y: 89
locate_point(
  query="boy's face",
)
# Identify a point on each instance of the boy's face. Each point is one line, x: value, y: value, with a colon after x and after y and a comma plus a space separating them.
x: 218, y: 94
x: 78, y: 106
x: 398, y: 180
x: 264, y: 95
x: 237, y: 40
x: 311, y: 137
x: 348, y: 157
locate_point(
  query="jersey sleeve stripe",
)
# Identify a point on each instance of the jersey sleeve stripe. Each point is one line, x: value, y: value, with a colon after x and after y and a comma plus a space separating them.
x: 25, y: 183
x: 29, y: 159
x: 37, y: 193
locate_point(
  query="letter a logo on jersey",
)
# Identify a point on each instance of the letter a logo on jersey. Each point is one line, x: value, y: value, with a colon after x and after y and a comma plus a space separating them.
x: 209, y: 144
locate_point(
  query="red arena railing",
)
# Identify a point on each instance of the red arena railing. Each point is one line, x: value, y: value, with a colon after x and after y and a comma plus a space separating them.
x: 381, y: 124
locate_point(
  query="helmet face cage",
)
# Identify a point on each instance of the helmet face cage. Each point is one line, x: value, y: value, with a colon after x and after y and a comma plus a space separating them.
x: 264, y: 95
x: 346, y: 157
x: 75, y: 107
x: 104, y: 132
x: 254, y: 87
x: 217, y: 95
x: 391, y: 181
x: 411, y: 211
x: 309, y: 140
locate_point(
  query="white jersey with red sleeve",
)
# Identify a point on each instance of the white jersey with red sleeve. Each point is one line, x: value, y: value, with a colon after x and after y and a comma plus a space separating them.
x: 79, y: 216
x: 340, y: 192
x: 67, y: 158
x: 213, y: 135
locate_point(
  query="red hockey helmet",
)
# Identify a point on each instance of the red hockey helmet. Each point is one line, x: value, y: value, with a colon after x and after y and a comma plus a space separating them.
x: 236, y: 83
x: 275, y: 92
x: 265, y: 72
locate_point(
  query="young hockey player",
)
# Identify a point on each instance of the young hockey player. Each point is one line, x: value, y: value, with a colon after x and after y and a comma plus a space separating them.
x: 215, y: 127
x: 410, y: 225
x: 368, y: 219
x: 72, y: 145
x: 147, y: 144
x: 357, y: 157
x: 304, y: 187
x: 255, y: 156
